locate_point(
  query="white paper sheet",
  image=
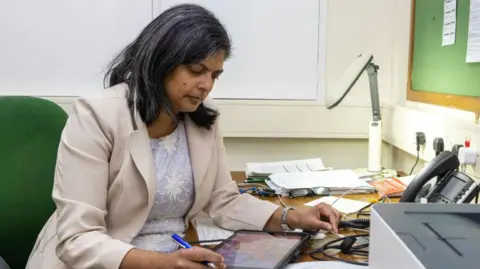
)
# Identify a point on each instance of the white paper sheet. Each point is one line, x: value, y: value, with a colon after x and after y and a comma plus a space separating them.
x: 407, y: 179
x: 343, y: 205
x: 334, y: 179
x: 473, y: 43
x: 207, y: 230
x: 293, y: 166
x: 449, y: 22
x: 323, y: 265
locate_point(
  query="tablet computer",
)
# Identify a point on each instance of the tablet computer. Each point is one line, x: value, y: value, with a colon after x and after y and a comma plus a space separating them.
x: 247, y: 249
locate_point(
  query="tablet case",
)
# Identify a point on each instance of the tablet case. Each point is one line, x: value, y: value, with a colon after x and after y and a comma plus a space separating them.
x: 290, y: 256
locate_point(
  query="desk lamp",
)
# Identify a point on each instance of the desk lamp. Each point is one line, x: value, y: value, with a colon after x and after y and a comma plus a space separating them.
x: 341, y: 89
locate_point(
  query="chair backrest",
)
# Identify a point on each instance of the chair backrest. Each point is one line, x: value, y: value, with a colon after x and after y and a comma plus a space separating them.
x: 30, y: 130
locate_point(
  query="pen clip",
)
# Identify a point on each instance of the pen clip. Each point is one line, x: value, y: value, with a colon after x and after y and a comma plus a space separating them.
x: 178, y: 243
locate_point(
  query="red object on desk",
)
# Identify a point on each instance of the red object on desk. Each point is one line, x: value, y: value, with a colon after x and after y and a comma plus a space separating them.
x: 390, y: 187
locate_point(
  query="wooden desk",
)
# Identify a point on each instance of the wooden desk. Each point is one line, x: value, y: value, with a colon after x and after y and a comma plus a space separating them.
x: 191, y: 234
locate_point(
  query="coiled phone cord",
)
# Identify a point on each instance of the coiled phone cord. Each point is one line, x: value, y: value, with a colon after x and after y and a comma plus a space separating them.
x: 355, y: 223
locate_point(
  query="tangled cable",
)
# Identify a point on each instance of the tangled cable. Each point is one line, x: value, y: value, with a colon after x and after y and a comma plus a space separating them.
x: 347, y: 246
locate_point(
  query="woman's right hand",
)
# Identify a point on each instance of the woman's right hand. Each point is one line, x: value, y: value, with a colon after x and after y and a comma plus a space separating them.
x: 193, y: 258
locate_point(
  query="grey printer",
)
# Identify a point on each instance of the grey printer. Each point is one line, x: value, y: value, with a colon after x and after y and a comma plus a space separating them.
x: 424, y: 236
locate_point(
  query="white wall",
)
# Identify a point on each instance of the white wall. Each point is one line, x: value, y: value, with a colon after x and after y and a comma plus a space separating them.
x: 380, y: 27
x: 242, y: 120
x: 340, y: 153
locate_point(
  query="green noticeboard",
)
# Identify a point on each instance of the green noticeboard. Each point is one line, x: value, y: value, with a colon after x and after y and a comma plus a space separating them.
x: 437, y: 68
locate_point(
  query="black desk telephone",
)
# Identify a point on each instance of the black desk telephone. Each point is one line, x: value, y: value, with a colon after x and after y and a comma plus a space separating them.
x: 452, y: 186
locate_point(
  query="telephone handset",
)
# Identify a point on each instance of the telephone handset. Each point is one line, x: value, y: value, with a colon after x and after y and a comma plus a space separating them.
x: 452, y: 185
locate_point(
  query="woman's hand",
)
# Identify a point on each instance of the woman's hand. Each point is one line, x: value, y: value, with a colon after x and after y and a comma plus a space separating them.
x: 193, y: 258
x: 319, y: 217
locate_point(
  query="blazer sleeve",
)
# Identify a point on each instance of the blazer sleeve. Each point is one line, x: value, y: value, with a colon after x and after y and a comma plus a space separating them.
x: 227, y: 207
x: 80, y: 193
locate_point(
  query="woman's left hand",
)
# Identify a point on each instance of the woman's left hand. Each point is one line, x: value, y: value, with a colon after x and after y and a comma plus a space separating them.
x: 319, y: 217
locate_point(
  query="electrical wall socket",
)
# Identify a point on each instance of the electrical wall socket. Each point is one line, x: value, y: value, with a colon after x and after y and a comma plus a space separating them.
x: 467, y: 156
x: 405, y: 120
x: 409, y: 120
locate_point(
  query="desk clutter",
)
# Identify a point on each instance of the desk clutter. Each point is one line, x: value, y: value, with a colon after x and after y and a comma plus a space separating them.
x: 300, y: 178
x: 357, y: 245
x: 310, y: 177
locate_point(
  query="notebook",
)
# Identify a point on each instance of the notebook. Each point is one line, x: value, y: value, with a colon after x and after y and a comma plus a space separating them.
x: 390, y: 187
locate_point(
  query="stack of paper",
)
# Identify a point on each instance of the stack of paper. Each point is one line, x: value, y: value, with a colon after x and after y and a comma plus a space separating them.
x: 337, y: 181
x: 266, y: 169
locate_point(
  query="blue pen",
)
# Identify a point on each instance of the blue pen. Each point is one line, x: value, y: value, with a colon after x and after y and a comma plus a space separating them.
x: 177, y: 239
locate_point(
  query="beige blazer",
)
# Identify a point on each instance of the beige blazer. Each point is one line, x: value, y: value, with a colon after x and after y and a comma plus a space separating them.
x: 105, y: 186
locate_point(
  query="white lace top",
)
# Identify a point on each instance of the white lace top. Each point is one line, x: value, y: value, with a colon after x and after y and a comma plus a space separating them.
x: 174, y: 196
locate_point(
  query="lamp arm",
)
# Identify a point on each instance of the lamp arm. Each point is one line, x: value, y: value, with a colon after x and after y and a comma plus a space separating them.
x: 372, y: 76
x: 375, y: 127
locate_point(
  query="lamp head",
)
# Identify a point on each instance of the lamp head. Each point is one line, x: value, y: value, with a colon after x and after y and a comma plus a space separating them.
x: 349, y: 78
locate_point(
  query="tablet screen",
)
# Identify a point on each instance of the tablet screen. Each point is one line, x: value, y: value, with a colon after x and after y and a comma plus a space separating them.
x: 258, y: 250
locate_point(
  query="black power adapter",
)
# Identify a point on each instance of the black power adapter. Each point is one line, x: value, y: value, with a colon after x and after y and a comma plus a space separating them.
x: 438, y: 145
x: 419, y: 139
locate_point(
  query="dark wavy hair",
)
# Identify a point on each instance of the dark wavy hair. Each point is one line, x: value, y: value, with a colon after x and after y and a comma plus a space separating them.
x: 182, y: 34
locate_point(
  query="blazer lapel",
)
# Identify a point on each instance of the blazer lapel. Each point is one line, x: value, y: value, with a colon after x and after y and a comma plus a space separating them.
x: 140, y: 151
x: 200, y: 144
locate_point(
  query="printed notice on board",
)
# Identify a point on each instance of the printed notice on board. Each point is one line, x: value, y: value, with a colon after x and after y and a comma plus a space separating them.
x: 449, y: 22
x: 473, y: 43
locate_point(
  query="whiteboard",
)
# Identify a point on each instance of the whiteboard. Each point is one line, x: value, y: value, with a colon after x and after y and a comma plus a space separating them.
x: 276, y: 47
x: 62, y: 47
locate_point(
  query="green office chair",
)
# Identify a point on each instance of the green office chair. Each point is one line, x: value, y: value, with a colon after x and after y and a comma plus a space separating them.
x: 30, y: 130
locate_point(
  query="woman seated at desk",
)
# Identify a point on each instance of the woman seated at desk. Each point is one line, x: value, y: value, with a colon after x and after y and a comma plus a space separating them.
x: 140, y: 160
